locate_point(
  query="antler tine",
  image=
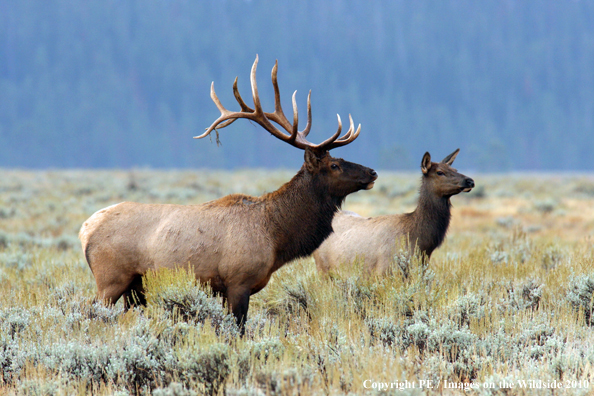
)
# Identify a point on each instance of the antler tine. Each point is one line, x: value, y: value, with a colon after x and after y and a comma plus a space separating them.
x: 277, y: 102
x: 242, y: 104
x: 257, y: 106
x: 215, y: 99
x: 348, y: 137
x: 244, y: 107
x: 349, y: 132
x: 278, y: 116
x: 305, y: 132
x: 226, y: 123
x: 294, y: 130
x: 222, y: 117
x: 332, y: 138
x: 263, y: 118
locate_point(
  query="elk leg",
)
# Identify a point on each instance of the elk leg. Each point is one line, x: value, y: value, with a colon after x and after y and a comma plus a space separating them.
x: 134, y: 295
x: 110, y: 295
x: 238, y: 301
x: 110, y: 290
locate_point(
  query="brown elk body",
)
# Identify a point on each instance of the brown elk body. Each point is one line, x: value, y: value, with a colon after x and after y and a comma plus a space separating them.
x: 375, y: 240
x: 234, y: 243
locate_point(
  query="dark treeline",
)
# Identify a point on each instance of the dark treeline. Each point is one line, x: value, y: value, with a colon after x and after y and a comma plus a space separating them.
x: 126, y: 83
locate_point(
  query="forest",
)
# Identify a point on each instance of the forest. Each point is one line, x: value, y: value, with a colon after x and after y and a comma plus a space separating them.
x: 125, y: 84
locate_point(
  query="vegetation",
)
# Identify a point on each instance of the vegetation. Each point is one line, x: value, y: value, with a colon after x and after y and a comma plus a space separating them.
x: 508, y: 297
x: 126, y: 83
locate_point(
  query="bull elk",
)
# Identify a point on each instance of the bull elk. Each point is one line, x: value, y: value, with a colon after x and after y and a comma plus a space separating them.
x: 375, y: 240
x: 237, y: 242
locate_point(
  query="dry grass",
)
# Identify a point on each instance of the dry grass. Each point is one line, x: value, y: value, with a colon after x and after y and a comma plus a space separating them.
x: 508, y: 297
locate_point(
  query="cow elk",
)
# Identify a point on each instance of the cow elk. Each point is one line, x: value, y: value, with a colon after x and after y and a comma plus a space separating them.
x: 234, y: 243
x: 375, y: 240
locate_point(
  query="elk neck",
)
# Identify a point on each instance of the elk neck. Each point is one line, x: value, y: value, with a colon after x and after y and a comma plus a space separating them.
x: 301, y: 214
x: 430, y: 220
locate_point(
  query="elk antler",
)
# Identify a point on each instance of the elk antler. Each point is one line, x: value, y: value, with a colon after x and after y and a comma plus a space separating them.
x: 295, y: 138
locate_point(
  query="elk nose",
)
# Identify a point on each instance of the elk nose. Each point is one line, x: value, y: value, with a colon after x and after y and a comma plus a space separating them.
x: 372, y: 173
x: 469, y: 182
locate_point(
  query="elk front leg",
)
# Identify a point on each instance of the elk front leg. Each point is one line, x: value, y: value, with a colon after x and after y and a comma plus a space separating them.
x: 238, y: 301
x: 135, y: 294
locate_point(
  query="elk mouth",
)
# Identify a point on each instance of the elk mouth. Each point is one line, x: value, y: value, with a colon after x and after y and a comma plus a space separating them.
x: 370, y: 185
x: 467, y: 189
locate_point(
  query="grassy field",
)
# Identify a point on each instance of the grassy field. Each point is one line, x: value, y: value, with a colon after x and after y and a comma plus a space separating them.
x: 504, y: 308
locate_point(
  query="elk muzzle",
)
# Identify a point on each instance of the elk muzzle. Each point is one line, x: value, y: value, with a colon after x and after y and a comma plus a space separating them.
x: 373, y: 175
x: 468, y: 184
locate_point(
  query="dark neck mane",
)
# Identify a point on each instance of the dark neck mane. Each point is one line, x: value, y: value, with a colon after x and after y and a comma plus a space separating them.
x: 300, y: 213
x: 430, y: 220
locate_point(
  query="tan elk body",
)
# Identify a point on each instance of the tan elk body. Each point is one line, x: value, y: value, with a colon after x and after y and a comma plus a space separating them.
x: 234, y: 243
x: 375, y: 240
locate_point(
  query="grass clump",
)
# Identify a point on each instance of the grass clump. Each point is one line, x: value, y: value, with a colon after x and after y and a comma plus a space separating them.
x: 580, y: 295
x: 175, y: 294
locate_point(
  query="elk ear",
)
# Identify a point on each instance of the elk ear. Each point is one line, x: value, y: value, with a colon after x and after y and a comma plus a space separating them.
x: 449, y: 160
x: 426, y: 163
x: 312, y: 162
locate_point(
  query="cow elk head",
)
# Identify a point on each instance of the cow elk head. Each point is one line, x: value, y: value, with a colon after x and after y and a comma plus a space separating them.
x: 442, y: 179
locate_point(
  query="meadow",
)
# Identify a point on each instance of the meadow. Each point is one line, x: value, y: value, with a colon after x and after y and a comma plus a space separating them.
x: 505, y: 307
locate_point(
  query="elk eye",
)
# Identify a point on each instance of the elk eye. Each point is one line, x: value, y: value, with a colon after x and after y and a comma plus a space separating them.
x: 334, y: 166
x: 440, y: 173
